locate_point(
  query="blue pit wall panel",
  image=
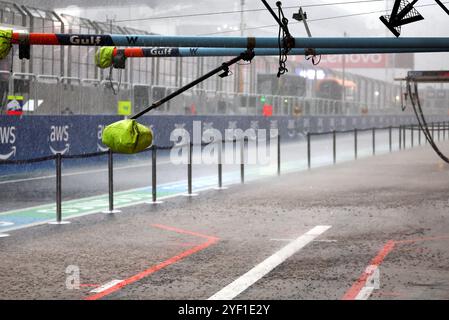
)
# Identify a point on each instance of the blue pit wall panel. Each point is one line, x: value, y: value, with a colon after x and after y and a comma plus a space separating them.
x: 28, y: 137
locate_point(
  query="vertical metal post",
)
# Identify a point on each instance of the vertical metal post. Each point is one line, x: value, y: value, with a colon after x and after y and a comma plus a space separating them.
x: 390, y: 138
x: 355, y: 144
x: 444, y: 130
x: 425, y: 140
x: 279, y: 154
x: 111, y: 180
x: 154, y: 176
x: 220, y: 166
x: 439, y: 127
x: 404, y: 136
x: 433, y: 130
x: 334, y: 146
x: 111, y: 183
x: 419, y: 135
x: 308, y: 151
x: 412, y: 136
x: 400, y: 137
x: 242, y: 161
x: 59, y: 191
x: 58, y: 187
x: 189, y: 172
x: 189, y: 168
x: 153, y: 173
x: 374, y: 141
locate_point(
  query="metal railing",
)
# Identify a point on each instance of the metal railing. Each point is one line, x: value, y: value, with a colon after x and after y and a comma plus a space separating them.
x: 437, y: 129
x: 82, y: 95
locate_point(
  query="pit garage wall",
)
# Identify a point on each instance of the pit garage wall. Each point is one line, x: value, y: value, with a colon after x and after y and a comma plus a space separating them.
x: 29, y: 137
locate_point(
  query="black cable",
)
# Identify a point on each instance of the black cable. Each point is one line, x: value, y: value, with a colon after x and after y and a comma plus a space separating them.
x: 241, y: 11
x: 286, y: 41
x: 422, y: 121
x: 318, y: 19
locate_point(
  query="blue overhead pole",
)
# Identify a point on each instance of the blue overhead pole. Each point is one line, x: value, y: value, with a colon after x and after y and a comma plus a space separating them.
x: 227, y: 42
x: 225, y: 52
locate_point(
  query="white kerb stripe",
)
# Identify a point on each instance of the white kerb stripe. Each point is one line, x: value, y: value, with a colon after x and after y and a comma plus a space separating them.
x: 248, y: 279
x: 106, y: 286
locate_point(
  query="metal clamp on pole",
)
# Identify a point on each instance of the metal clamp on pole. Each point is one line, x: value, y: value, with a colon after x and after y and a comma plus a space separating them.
x: 220, y: 166
x: 154, y: 176
x: 189, y: 173
x: 111, y: 183
x: 59, y: 191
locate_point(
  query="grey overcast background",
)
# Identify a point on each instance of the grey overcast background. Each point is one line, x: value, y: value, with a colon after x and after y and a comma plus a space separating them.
x: 436, y: 21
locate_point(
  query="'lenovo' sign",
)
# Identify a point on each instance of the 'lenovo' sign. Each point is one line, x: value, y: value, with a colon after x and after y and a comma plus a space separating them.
x: 354, y: 61
x: 401, y: 61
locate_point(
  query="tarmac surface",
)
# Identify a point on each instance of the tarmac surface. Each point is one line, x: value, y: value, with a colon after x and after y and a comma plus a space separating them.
x: 375, y: 228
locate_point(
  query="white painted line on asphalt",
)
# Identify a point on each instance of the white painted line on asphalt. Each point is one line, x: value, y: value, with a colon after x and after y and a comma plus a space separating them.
x: 288, y: 240
x: 106, y: 286
x: 6, y: 224
x: 372, y: 282
x: 365, y: 293
x: 248, y: 279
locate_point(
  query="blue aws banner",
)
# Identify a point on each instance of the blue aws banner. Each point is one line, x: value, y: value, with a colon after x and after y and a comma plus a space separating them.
x: 30, y: 137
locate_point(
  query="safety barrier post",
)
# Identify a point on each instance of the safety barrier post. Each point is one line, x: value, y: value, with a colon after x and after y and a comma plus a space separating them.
x: 189, y: 173
x: 389, y: 138
x: 400, y: 137
x: 279, y: 153
x: 412, y: 136
x: 433, y: 130
x: 425, y: 140
x: 374, y: 141
x: 154, y: 176
x: 242, y: 161
x: 439, y: 129
x: 111, y: 183
x: 419, y: 135
x: 355, y: 143
x: 220, y: 166
x: 59, y: 191
x: 444, y: 130
x: 334, y: 146
x: 404, y: 136
x: 308, y: 151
